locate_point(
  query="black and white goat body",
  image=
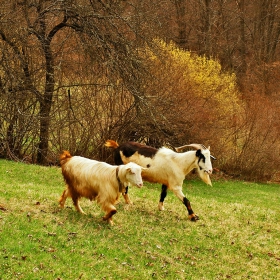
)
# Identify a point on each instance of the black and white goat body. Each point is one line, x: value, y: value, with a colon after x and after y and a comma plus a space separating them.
x: 165, y: 166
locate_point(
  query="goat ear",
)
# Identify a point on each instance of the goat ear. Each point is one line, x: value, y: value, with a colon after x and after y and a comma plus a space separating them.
x: 144, y: 168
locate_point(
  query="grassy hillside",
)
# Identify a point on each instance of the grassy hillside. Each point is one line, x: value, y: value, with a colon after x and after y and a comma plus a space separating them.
x: 237, y: 236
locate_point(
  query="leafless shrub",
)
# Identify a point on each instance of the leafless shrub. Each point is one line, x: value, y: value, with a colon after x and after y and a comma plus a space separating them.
x: 256, y: 147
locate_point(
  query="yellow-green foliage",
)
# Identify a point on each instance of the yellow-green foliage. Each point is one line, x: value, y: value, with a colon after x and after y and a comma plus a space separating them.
x: 194, y: 74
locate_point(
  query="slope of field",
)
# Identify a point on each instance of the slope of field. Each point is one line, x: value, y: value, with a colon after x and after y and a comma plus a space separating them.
x: 237, y: 236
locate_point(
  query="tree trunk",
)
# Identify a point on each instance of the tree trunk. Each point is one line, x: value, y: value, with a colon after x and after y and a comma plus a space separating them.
x: 242, y: 43
x: 46, y: 99
x: 181, y: 22
x: 43, y: 147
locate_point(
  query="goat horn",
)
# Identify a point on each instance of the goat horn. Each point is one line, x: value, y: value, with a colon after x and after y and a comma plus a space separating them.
x: 195, y: 146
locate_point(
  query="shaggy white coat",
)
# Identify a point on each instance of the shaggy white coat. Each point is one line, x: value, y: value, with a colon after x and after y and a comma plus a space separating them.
x: 96, y: 181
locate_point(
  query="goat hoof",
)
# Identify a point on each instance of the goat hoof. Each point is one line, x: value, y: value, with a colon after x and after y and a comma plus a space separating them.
x: 110, y: 222
x: 160, y: 206
x: 193, y: 218
x: 129, y: 202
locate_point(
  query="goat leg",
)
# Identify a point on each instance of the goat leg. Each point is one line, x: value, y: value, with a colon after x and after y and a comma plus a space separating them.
x: 109, y: 213
x: 162, y: 197
x: 192, y: 216
x: 126, y: 196
x: 63, y: 198
x: 178, y: 192
x: 75, y: 198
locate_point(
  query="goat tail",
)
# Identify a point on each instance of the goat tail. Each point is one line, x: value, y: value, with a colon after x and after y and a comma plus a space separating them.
x: 111, y: 144
x: 64, y: 157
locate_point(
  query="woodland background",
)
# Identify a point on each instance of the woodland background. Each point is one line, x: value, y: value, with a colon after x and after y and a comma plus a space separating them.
x: 76, y: 73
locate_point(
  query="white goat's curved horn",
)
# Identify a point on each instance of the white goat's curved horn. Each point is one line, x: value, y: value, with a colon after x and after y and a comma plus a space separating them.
x: 195, y: 146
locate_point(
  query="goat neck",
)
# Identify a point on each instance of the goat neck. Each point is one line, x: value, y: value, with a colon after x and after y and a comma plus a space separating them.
x: 187, y: 160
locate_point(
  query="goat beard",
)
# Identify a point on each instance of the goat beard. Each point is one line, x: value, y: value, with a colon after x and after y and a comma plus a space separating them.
x: 205, y: 177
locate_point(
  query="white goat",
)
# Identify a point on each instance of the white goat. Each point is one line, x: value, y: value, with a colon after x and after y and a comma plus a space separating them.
x: 96, y: 181
x: 166, y: 167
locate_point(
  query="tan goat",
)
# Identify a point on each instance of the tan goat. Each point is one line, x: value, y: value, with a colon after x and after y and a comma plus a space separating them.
x: 97, y: 180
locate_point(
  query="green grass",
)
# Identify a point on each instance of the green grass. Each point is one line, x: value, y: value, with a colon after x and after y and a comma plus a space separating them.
x: 237, y: 236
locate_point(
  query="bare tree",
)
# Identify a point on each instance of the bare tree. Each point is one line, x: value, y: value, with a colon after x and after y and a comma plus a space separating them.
x: 103, y: 46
